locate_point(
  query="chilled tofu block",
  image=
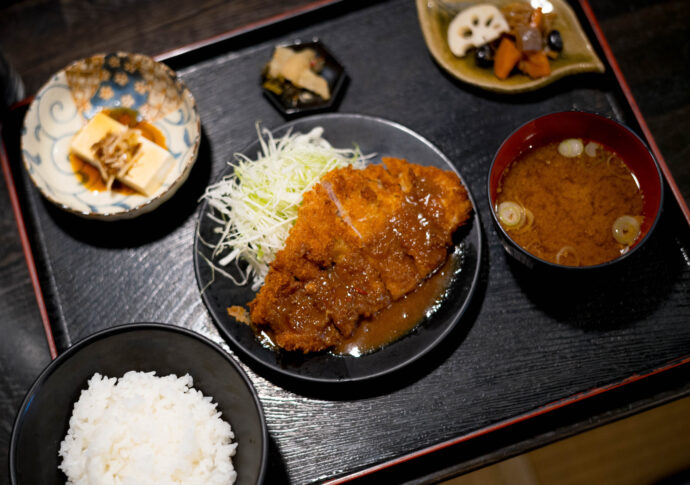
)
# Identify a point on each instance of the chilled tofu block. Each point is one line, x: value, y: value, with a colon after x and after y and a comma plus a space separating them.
x: 97, y: 128
x: 149, y: 166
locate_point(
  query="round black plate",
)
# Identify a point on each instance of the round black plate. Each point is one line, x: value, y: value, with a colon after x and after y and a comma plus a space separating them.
x: 372, y: 135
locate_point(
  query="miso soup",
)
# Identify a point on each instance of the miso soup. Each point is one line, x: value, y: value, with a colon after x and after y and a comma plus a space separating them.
x: 573, y: 203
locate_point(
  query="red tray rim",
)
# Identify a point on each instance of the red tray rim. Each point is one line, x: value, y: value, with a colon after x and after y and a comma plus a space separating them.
x: 310, y: 7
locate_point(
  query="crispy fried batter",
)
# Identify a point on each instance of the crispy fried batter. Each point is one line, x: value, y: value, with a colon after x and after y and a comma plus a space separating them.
x: 363, y: 238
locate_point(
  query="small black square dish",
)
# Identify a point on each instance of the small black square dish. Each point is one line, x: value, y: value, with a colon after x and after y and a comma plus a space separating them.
x: 303, y: 78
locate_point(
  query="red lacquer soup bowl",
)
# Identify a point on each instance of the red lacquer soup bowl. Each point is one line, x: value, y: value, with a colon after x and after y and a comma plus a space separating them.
x: 613, y: 136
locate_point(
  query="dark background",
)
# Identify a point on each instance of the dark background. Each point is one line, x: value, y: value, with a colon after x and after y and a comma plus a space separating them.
x: 648, y: 38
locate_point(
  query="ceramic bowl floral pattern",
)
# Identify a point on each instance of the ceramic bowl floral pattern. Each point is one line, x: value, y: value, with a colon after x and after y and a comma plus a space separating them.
x: 74, y: 95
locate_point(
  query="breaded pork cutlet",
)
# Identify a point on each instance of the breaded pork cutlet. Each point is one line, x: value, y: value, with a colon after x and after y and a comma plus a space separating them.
x: 362, y: 239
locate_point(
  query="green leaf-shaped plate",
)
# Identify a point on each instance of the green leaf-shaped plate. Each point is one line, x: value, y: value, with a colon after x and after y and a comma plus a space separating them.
x: 578, y: 56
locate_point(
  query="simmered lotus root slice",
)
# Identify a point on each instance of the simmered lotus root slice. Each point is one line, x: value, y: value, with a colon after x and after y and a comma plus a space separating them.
x: 475, y: 26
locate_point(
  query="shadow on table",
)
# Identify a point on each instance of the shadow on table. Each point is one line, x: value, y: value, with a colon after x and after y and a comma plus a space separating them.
x: 679, y: 478
x: 610, y: 298
x: 276, y: 472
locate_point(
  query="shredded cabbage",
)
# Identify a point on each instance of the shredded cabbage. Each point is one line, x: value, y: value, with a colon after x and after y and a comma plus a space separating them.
x: 256, y: 205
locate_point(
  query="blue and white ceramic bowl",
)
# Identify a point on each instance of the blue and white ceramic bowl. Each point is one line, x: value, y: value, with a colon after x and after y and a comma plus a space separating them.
x: 73, y: 95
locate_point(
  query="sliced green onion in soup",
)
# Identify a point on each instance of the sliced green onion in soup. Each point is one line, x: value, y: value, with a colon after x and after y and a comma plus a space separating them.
x: 529, y: 217
x: 567, y: 256
x: 591, y: 149
x: 626, y: 229
x: 572, y: 147
x: 511, y: 214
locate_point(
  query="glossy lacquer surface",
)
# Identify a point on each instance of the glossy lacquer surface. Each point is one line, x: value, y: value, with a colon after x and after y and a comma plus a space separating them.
x: 522, y: 344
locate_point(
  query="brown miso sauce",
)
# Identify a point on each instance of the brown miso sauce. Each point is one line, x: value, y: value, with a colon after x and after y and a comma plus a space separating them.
x: 573, y: 203
x: 403, y: 315
x: 90, y: 177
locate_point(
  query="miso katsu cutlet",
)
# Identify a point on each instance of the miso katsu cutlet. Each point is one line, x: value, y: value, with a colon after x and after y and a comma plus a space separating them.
x: 362, y: 240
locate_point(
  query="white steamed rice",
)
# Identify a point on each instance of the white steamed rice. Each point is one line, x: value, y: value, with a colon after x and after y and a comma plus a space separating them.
x: 142, y: 429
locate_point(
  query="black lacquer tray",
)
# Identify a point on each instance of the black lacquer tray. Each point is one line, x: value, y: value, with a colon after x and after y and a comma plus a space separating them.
x: 525, y: 348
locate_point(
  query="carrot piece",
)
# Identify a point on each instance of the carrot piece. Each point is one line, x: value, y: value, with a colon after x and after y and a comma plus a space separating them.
x: 507, y: 56
x: 535, y: 64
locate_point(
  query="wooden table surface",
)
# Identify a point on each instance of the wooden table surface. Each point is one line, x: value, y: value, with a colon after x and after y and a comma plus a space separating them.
x: 649, y: 39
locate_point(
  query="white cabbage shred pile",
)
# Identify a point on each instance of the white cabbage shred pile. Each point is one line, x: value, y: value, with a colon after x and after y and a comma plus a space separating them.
x: 255, y: 206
